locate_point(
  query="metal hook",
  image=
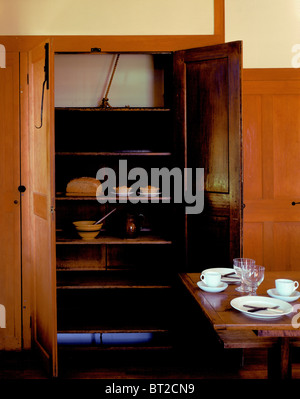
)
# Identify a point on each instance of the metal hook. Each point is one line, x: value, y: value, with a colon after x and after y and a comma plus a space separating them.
x: 46, y: 80
x: 42, y: 106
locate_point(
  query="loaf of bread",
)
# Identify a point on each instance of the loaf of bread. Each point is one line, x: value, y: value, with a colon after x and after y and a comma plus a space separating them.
x: 83, y: 186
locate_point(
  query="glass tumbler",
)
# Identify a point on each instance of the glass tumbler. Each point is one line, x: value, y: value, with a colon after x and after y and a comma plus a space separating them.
x: 253, y: 275
x: 237, y: 266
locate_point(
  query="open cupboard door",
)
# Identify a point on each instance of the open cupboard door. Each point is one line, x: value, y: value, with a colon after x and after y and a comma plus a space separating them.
x: 208, y: 128
x: 42, y: 194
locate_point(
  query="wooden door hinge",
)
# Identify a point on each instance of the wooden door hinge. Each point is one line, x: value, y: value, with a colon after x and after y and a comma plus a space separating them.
x: 52, y: 209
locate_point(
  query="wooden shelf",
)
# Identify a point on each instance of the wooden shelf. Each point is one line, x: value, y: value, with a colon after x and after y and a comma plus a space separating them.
x: 116, y: 347
x: 110, y: 240
x: 127, y: 153
x: 72, y: 321
x: 140, y: 198
x: 109, y: 280
x: 114, y: 109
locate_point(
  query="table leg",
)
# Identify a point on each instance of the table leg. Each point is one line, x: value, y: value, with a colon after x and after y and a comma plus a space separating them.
x: 279, y: 360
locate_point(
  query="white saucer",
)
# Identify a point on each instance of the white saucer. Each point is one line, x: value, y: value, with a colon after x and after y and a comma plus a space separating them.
x: 288, y: 298
x: 219, y: 288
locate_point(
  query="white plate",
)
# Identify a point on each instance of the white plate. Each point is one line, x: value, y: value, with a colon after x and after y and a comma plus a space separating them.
x: 224, y: 270
x: 219, y: 288
x: 149, y: 194
x: 239, y: 302
x: 122, y: 194
x: 288, y: 298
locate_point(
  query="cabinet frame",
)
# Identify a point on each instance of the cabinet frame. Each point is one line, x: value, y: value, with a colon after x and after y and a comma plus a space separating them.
x: 180, y: 156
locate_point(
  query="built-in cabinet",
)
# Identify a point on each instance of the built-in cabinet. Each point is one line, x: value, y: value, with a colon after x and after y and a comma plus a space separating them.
x: 114, y: 283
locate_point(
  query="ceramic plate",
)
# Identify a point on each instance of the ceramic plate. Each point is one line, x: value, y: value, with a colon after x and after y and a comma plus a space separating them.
x: 219, y: 288
x: 264, y: 301
x: 224, y: 270
x: 122, y: 194
x: 149, y: 194
x: 288, y: 298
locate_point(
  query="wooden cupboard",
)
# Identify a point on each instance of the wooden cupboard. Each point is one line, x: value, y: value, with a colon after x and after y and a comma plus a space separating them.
x: 113, y: 284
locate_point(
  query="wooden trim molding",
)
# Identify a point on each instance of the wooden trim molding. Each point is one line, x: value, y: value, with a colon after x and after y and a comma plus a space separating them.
x: 271, y: 74
x: 125, y: 43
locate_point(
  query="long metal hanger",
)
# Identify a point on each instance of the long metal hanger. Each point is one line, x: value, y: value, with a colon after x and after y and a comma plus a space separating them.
x: 46, y: 82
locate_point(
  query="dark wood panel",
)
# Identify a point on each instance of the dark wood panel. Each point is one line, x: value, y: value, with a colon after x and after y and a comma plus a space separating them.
x: 208, y: 130
x: 207, y: 122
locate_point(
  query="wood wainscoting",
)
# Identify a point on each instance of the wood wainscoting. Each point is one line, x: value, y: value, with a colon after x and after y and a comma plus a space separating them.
x: 10, y: 212
x: 271, y: 134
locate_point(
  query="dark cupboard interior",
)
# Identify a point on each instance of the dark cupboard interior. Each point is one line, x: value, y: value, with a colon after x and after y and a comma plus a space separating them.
x: 113, y: 284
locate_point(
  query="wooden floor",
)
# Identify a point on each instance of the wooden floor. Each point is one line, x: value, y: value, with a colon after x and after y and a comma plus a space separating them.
x: 227, y: 364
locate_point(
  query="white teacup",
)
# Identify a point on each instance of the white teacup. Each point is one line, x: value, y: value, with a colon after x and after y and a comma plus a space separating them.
x: 286, y: 287
x: 211, y: 279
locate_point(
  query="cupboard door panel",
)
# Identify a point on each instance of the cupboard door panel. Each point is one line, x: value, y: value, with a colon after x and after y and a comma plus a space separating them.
x: 252, y: 146
x: 208, y: 113
x: 41, y: 125
x: 286, y: 245
x: 253, y: 235
x: 286, y: 145
x: 10, y: 238
x: 271, y: 166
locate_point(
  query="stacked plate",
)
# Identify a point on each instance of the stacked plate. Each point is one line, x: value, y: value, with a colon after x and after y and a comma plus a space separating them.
x: 228, y: 277
x: 122, y: 191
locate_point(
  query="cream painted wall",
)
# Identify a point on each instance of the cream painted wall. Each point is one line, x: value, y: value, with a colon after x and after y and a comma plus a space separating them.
x: 106, y: 17
x: 270, y: 30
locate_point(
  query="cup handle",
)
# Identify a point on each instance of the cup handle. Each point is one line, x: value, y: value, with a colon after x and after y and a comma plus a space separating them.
x: 296, y: 284
x: 202, y: 277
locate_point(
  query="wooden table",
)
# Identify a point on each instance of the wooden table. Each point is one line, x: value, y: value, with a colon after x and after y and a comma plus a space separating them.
x: 224, y: 318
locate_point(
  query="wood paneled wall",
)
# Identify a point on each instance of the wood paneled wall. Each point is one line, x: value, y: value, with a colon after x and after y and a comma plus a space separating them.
x: 10, y: 216
x: 271, y: 134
